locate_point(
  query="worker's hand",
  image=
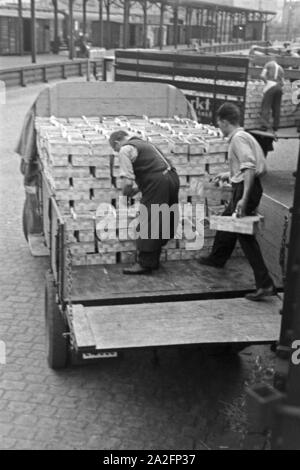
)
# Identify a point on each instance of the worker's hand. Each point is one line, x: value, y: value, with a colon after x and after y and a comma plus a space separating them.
x: 241, y: 208
x: 225, y: 176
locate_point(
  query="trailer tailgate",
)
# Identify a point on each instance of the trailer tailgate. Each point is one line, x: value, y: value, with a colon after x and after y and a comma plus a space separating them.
x: 120, y: 327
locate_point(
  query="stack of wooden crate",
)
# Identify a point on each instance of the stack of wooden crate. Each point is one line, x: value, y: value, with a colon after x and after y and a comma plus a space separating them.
x: 85, y: 178
x: 289, y: 110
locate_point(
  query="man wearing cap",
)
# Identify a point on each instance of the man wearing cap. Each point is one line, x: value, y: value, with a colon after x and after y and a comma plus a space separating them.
x: 144, y: 168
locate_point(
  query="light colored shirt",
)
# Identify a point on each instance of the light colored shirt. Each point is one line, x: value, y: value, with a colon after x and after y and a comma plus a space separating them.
x: 274, y: 74
x: 127, y: 156
x: 244, y: 153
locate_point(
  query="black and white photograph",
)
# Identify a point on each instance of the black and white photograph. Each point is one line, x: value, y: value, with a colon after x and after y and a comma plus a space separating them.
x: 150, y: 228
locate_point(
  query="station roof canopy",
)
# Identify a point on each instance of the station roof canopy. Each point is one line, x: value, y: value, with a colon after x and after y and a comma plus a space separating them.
x: 210, y: 5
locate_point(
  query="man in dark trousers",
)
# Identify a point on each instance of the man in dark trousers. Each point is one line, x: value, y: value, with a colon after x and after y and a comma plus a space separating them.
x: 247, y: 164
x: 144, y: 168
x: 273, y: 76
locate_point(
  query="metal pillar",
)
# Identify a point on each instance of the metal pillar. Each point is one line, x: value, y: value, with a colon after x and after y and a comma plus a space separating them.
x: 175, y: 27
x: 189, y: 14
x: 230, y: 29
x: 222, y: 26
x: 145, y: 24
x: 216, y: 24
x: 101, y: 23
x: 201, y: 25
x: 84, y: 2
x: 71, y: 31
x: 126, y: 23
x: 20, y: 23
x: 211, y: 19
x: 55, y: 21
x: 108, y: 35
x: 33, y: 32
x: 161, y: 26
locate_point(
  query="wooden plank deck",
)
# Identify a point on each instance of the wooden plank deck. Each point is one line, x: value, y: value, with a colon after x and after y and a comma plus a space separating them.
x: 179, y: 323
x: 173, y: 279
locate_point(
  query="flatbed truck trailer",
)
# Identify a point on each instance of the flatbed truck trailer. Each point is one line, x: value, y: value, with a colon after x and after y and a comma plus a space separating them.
x: 95, y: 311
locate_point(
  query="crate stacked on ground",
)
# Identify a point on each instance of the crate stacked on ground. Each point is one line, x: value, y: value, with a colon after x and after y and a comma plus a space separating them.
x: 290, y: 112
x: 84, y: 176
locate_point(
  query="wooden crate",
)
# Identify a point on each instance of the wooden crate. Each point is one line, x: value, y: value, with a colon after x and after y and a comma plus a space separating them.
x: 246, y: 225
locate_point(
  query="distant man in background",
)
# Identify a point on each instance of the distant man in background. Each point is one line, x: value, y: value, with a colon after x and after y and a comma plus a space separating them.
x: 273, y: 76
x: 247, y: 164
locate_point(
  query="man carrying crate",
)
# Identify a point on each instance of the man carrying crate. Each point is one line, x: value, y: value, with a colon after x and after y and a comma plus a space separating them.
x: 247, y: 164
x: 145, y: 169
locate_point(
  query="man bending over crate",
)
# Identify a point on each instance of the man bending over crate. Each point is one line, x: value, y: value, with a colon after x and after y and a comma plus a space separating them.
x: 144, y: 168
x: 247, y: 164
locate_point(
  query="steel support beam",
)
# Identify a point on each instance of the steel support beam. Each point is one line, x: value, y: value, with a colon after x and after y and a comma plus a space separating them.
x: 33, y: 32
x: 71, y: 30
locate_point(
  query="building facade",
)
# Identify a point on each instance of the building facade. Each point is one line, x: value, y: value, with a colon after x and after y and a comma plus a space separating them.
x: 216, y: 21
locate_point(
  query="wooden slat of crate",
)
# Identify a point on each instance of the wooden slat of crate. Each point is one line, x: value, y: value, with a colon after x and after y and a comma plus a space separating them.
x: 101, y: 150
x: 178, y: 159
x: 186, y: 170
x: 196, y: 148
x: 80, y: 223
x: 216, y: 168
x: 60, y: 160
x: 116, y: 246
x: 103, y: 172
x: 178, y: 147
x: 86, y: 236
x: 218, y: 147
x: 71, y: 195
x: 246, y: 225
x: 61, y: 183
x: 81, y: 248
x: 183, y: 181
x: 70, y: 172
x: 92, y: 183
x: 99, y: 258
x: 208, y: 158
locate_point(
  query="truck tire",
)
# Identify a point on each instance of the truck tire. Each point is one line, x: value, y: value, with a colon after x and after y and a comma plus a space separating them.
x: 56, y: 343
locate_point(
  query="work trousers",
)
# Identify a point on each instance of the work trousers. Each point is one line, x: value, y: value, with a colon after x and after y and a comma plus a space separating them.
x: 162, y: 188
x: 271, y: 103
x: 225, y: 242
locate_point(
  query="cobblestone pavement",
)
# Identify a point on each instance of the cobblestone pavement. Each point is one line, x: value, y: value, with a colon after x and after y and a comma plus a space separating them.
x: 130, y: 403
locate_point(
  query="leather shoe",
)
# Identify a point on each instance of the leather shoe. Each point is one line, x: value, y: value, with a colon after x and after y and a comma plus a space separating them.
x: 207, y: 261
x: 261, y: 293
x: 137, y: 269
